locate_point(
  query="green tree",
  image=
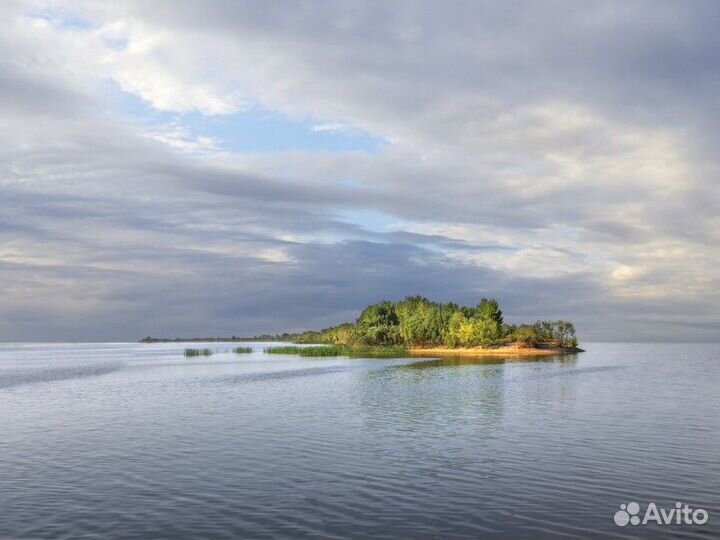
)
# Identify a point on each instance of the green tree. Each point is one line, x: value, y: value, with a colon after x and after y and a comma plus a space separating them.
x: 560, y: 333
x: 378, y: 324
x: 489, y: 322
x: 454, y: 332
x: 564, y: 333
x: 489, y: 309
x: 414, y: 314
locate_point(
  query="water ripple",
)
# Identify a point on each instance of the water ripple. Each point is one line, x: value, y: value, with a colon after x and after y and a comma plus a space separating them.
x: 15, y: 377
x: 285, y: 374
x: 353, y: 448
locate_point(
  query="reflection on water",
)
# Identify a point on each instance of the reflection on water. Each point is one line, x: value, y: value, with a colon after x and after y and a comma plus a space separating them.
x: 464, y: 360
x: 134, y: 441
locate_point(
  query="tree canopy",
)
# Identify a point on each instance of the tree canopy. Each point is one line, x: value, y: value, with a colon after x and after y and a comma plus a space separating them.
x: 417, y: 321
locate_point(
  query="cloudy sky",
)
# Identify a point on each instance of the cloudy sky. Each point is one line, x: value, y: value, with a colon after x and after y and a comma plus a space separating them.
x: 228, y: 167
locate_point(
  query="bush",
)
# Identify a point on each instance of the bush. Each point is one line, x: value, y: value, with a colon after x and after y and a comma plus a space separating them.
x: 526, y: 336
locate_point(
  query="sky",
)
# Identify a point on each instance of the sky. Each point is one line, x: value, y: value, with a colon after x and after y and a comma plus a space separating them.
x: 201, y: 168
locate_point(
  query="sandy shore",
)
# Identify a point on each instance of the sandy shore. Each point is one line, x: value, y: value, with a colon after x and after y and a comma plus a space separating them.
x: 499, y: 351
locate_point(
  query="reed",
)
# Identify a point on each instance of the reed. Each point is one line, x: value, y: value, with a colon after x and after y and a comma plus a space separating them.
x: 368, y: 351
x: 286, y: 349
x: 324, y: 350
x: 341, y: 350
x: 242, y: 350
x: 198, y: 352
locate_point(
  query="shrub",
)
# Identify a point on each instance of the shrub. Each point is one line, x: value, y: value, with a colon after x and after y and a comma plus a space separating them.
x: 526, y: 336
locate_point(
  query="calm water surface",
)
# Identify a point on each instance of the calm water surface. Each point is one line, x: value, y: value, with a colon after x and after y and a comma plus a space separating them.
x: 135, y: 441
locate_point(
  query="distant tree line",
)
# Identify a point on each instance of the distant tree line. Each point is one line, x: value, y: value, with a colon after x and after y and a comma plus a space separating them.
x: 419, y: 322
x: 263, y: 337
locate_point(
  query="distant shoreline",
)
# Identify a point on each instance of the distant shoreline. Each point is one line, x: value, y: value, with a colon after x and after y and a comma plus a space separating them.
x: 264, y: 339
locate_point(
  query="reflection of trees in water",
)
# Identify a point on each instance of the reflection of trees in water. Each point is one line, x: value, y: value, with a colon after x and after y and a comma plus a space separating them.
x: 464, y: 360
x: 433, y: 394
x: 430, y: 421
x: 550, y: 394
x: 455, y: 393
x: 452, y: 413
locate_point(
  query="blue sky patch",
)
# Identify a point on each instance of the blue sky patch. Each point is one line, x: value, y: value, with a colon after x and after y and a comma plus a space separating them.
x: 250, y: 131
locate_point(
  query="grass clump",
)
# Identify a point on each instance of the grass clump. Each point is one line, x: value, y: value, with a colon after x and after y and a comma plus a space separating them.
x: 368, y: 351
x: 198, y: 352
x: 288, y: 349
x: 242, y: 350
x: 323, y: 350
x: 358, y: 351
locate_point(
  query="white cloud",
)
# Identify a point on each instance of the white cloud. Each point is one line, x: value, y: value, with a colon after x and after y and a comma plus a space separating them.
x: 330, y: 127
x: 179, y: 138
x: 625, y: 272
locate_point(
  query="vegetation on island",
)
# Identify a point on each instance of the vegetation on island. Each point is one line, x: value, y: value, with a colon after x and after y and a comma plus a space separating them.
x: 360, y: 351
x: 417, y: 322
x: 198, y: 352
x: 393, y: 328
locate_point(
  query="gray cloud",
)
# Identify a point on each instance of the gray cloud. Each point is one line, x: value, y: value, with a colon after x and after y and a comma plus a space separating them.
x: 558, y: 156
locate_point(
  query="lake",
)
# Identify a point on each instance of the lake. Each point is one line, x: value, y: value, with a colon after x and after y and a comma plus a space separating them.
x: 136, y: 441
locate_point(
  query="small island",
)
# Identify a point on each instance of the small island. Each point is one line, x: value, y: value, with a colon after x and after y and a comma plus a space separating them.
x: 422, y: 327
